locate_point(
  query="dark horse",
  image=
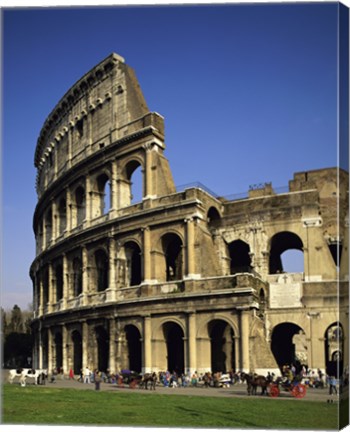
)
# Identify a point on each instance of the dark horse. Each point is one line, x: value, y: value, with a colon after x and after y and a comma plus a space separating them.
x: 149, y: 378
x: 254, y: 381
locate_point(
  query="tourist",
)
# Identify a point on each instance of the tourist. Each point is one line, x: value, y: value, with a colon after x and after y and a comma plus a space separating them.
x: 71, y: 374
x: 332, y: 385
x: 87, y: 374
x: 97, y: 379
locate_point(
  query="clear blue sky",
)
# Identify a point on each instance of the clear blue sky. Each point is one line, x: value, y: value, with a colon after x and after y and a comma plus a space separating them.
x: 248, y: 93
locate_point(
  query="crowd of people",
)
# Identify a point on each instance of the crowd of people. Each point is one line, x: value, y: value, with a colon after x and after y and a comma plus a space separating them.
x: 290, y: 374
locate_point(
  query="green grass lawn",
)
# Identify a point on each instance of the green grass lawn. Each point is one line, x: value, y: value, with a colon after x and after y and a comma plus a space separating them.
x: 40, y: 405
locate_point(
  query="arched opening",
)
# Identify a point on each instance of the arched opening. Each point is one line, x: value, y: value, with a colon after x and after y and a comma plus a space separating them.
x: 240, y: 257
x: 133, y: 263
x: 133, y: 340
x: 293, y: 261
x: 222, y: 346
x: 288, y: 345
x: 80, y: 202
x: 77, y: 277
x: 262, y: 302
x: 45, y: 349
x: 213, y: 218
x: 134, y: 191
x: 334, y: 348
x: 58, y: 351
x: 104, y: 192
x: 48, y: 227
x: 59, y: 282
x: 77, y: 352
x: 280, y: 243
x: 45, y: 287
x: 136, y: 186
x: 172, y: 249
x: 102, y: 340
x: 102, y: 267
x: 62, y: 215
x: 174, y: 339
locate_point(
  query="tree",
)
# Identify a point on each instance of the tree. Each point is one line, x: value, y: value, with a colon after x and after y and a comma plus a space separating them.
x: 16, y: 323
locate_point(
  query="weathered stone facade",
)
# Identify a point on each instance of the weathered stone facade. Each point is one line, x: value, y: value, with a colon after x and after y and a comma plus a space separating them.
x: 182, y: 280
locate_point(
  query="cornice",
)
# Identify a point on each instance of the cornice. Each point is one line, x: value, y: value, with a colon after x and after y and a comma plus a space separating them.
x: 75, y: 93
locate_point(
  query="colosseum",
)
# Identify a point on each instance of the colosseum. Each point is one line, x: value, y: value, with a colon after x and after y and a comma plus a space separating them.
x: 181, y: 279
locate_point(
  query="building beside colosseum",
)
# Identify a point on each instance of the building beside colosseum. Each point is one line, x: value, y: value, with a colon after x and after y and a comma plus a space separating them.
x: 181, y: 280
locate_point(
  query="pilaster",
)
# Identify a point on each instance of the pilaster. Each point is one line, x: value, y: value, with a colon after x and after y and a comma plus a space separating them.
x: 147, y: 344
x: 192, y: 345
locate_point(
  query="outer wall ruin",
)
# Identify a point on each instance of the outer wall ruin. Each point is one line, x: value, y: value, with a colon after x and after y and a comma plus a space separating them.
x: 181, y: 280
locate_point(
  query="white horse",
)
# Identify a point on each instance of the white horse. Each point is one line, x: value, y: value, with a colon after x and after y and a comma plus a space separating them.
x: 17, y: 373
x: 36, y: 374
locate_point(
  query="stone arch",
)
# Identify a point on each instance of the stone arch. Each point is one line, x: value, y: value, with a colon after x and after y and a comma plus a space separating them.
x: 133, y: 263
x: 213, y: 218
x: 239, y: 252
x: 134, y: 347
x: 173, y: 263
x: 223, y: 355
x: 45, y: 282
x: 62, y: 215
x: 280, y: 243
x: 334, y: 349
x: 77, y: 345
x: 202, y: 329
x: 80, y: 204
x: 101, y: 262
x: 59, y: 280
x: 45, y: 348
x: 77, y: 267
x: 127, y: 190
x: 102, y: 342
x: 103, y: 192
x: 262, y: 301
x: 48, y: 226
x: 58, y: 344
x: 284, y: 346
x: 174, y: 335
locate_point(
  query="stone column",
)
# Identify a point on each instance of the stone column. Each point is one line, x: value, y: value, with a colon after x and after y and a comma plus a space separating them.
x: 51, y: 288
x: 55, y: 222
x: 85, y: 347
x: 146, y: 255
x: 88, y: 199
x: 44, y: 237
x: 68, y: 210
x: 111, y: 270
x: 41, y: 295
x: 316, y: 349
x: 64, y: 349
x: 114, y: 202
x: 65, y: 281
x: 148, y: 190
x: 112, y: 347
x: 69, y: 145
x: 192, y: 345
x: 147, y: 344
x: 40, y: 349
x: 191, y: 263
x: 85, y: 276
x: 50, y: 349
x: 245, y: 363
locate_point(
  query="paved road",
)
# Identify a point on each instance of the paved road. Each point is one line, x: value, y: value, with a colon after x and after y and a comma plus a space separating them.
x: 237, y: 390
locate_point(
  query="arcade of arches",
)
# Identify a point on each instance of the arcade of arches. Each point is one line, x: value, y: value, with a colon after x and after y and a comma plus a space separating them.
x: 216, y: 346
x: 133, y: 272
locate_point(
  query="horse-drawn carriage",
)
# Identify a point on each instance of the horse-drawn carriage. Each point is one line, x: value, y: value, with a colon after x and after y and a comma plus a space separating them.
x: 273, y: 389
x: 295, y: 388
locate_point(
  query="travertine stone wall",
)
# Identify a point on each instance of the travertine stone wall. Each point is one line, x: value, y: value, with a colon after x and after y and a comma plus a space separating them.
x: 180, y: 280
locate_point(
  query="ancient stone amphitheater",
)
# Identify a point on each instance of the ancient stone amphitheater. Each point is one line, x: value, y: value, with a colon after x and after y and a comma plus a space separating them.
x: 180, y: 279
